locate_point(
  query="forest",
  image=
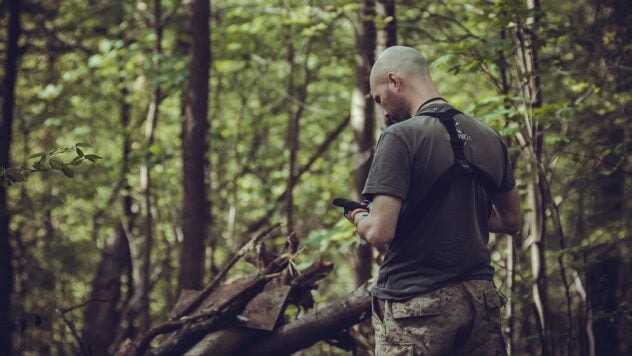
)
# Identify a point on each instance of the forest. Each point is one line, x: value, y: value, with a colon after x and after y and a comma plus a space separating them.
x: 168, y: 167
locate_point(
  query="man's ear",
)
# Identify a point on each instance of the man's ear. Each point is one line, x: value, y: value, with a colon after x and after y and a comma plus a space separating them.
x: 395, y: 80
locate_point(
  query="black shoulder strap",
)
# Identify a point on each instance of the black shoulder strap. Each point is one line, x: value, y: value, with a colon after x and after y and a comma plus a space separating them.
x: 449, y: 122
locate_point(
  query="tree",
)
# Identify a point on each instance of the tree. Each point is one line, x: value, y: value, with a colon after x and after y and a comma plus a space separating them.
x: 195, y: 126
x: 363, y: 123
x: 144, y: 285
x: 6, y: 129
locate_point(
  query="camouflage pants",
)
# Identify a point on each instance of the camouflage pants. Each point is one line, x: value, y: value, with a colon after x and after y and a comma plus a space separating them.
x: 460, y: 319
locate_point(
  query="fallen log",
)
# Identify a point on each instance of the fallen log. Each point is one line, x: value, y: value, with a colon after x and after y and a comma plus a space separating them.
x: 325, y: 322
x: 319, y: 324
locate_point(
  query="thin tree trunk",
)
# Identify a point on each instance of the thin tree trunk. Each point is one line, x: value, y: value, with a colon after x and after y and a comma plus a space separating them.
x: 101, y: 319
x: 511, y: 248
x: 363, y: 124
x: 296, y: 103
x: 195, y: 126
x: 386, y: 36
x: 534, y: 151
x: 6, y: 129
x: 587, y: 345
x: 145, y: 177
x: 292, y: 130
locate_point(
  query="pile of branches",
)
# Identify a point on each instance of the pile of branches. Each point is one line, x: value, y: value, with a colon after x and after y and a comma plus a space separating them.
x: 247, y: 317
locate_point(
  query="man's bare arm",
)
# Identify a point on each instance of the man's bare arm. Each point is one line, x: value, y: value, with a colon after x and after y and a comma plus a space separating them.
x: 506, y: 216
x: 378, y: 228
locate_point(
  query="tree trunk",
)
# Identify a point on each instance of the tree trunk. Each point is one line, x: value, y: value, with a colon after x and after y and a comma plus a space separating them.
x: 534, y: 151
x: 143, y: 286
x: 6, y: 127
x: 386, y: 37
x: 511, y: 248
x: 292, y: 130
x: 195, y: 126
x: 101, y: 318
x: 363, y: 124
x: 387, y: 33
x: 603, y: 277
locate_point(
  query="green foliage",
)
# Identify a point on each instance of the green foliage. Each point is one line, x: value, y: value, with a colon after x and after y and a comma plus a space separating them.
x: 49, y: 161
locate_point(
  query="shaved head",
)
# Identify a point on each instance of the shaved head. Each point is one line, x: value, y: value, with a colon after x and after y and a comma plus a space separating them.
x: 400, y: 82
x: 405, y: 61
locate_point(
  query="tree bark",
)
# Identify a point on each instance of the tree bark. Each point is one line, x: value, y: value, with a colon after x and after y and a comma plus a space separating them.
x: 6, y: 129
x: 195, y: 126
x: 363, y: 124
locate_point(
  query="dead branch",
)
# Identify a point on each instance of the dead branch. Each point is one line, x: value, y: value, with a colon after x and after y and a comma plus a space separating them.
x: 198, y: 326
x: 220, y: 276
x: 73, y: 330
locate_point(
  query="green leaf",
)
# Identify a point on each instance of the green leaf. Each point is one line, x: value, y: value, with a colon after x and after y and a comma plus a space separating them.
x: 76, y: 161
x: 441, y: 60
x: 93, y: 158
x: 37, y: 155
x: 79, y: 151
x: 68, y: 171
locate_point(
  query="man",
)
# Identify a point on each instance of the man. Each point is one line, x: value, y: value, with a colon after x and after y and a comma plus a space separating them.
x: 439, y: 183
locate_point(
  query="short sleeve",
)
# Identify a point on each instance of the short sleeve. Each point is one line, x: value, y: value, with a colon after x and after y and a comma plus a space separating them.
x: 391, y: 168
x: 508, y: 181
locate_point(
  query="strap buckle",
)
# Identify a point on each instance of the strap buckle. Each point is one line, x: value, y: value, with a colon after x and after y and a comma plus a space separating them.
x: 465, y: 165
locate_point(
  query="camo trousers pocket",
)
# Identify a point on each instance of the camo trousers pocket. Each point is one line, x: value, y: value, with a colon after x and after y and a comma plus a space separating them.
x: 388, y: 349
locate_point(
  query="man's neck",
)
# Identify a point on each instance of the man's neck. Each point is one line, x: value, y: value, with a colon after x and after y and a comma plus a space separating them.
x: 423, y: 96
x: 428, y: 100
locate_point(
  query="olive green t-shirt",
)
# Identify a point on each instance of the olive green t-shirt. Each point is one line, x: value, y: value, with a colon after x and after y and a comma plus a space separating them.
x: 449, y: 243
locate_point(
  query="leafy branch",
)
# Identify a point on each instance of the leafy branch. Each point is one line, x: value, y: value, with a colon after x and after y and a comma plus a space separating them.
x: 49, y: 161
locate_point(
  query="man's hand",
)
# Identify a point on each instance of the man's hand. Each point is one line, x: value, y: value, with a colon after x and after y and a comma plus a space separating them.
x: 353, y: 209
x: 379, y: 227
